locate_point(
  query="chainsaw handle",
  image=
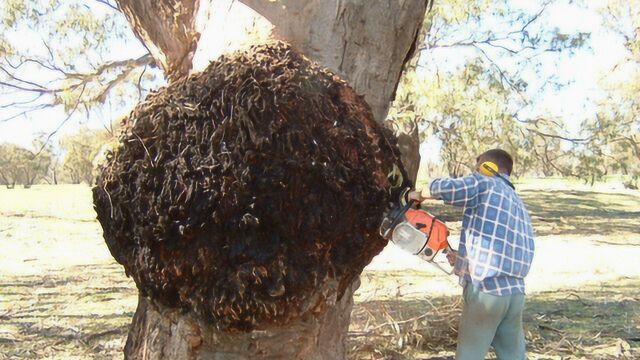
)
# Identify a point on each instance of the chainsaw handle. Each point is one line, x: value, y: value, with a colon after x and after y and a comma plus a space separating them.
x: 400, y: 216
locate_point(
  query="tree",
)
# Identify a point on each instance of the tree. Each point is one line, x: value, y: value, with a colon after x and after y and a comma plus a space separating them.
x: 54, y: 171
x: 9, y: 165
x: 81, y: 71
x: 20, y: 166
x: 81, y: 150
x: 357, y: 39
x: 612, y: 136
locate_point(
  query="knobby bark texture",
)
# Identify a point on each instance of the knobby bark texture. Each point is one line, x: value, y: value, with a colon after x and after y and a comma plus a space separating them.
x: 367, y: 42
x: 249, y: 195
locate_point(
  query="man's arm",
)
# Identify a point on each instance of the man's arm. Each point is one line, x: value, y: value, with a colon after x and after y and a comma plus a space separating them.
x: 458, y: 192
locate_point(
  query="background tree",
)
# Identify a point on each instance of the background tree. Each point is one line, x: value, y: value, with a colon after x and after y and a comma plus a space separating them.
x: 53, y: 177
x: 9, y: 165
x: 612, y: 136
x: 80, y: 152
x: 21, y: 166
x: 35, y: 168
x: 477, y: 97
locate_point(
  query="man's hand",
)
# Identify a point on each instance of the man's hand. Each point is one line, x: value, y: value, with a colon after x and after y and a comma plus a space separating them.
x: 452, y: 256
x: 417, y: 196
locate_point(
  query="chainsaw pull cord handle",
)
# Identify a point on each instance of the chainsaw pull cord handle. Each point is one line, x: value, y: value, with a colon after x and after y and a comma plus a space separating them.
x: 433, y: 222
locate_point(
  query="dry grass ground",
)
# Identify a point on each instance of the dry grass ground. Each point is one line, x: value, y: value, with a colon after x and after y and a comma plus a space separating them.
x: 63, y: 297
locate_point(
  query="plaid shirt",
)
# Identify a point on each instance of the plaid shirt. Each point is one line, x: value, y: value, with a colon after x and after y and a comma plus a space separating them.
x: 496, y: 244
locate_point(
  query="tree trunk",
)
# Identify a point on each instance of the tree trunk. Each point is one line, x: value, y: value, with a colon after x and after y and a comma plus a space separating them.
x: 367, y: 43
x: 409, y: 143
x: 167, y: 29
x: 358, y: 39
x: 4, y: 179
x: 164, y: 333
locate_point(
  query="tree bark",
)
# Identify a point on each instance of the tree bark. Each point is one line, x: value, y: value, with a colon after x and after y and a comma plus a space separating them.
x: 367, y: 43
x: 167, y: 29
x: 409, y: 143
x: 163, y: 333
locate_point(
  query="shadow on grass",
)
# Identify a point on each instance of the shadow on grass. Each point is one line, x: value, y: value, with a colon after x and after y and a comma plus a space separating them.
x: 559, y: 212
x: 583, y: 212
x: 79, y: 312
x: 590, y: 322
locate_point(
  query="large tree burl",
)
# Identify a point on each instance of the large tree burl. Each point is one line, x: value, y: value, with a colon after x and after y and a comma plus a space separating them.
x: 250, y: 193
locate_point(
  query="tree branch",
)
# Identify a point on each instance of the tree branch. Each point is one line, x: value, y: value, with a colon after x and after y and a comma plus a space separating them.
x: 503, y: 76
x: 81, y: 80
x: 138, y: 85
x: 107, y: 3
x: 533, y: 19
x: 40, y: 91
x: 167, y: 29
x: 111, y: 84
x: 18, y: 103
x: 48, y: 138
x: 129, y: 63
x: 24, y: 113
x: 573, y: 140
x: 12, y: 76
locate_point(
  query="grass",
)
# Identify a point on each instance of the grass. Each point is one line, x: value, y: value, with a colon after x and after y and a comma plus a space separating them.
x: 594, y: 322
x: 75, y: 313
x: 63, y: 297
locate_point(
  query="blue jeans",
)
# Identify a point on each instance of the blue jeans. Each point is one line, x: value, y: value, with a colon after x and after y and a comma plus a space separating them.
x: 490, y: 320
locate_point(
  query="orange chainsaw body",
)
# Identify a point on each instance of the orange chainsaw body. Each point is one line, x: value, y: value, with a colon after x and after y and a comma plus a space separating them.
x: 435, y: 230
x: 416, y: 231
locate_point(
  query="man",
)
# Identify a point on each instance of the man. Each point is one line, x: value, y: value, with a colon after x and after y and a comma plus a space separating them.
x: 494, y: 256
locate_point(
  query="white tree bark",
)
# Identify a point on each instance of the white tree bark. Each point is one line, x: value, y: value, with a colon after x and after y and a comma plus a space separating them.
x: 167, y: 29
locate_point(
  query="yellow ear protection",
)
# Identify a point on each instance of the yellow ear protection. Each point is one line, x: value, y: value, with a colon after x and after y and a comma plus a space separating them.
x: 489, y: 168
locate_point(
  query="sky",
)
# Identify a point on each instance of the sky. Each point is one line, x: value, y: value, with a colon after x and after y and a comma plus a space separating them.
x: 573, y: 103
x: 586, y: 68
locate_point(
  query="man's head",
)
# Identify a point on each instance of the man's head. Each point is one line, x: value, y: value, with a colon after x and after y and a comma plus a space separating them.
x: 499, y: 157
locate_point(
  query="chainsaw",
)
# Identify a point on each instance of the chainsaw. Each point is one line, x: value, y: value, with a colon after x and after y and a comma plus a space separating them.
x: 416, y: 231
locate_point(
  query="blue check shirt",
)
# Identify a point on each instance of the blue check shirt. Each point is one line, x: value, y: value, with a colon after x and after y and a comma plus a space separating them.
x: 496, y: 243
